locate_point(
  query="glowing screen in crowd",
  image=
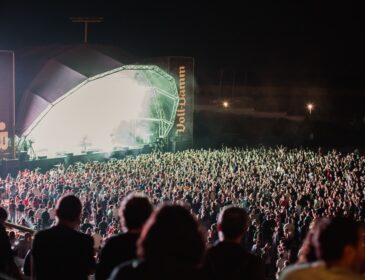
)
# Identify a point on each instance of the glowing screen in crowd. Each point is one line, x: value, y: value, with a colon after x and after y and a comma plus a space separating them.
x: 129, y: 106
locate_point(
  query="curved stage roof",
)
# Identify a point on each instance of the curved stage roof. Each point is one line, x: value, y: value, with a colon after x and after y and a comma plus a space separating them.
x: 50, y: 72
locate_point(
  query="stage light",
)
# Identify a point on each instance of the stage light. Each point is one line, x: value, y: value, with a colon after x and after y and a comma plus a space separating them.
x: 310, y: 107
x: 225, y: 104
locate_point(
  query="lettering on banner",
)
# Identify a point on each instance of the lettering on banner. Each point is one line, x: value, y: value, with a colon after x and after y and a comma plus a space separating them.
x: 4, y: 137
x: 181, y: 108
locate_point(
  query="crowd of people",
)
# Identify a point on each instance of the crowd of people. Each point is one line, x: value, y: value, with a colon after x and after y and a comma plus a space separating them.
x: 285, y: 194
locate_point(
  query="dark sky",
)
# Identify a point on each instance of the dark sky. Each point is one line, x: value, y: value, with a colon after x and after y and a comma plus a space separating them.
x: 319, y: 42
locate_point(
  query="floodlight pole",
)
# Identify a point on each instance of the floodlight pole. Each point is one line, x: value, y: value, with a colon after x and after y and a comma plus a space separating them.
x: 221, y: 83
x: 85, y: 32
x: 233, y: 84
x: 85, y: 21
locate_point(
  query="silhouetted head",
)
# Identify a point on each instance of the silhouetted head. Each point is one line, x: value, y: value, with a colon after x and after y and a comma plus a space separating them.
x: 340, y: 240
x: 68, y: 209
x: 172, y: 235
x: 232, y: 222
x: 134, y: 211
x: 3, y: 215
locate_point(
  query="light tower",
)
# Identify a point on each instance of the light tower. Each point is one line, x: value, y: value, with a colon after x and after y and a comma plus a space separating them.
x: 86, y: 21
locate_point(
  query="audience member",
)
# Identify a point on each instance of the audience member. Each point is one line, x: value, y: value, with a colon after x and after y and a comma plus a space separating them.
x: 228, y: 259
x: 7, y: 264
x: 339, y: 244
x: 134, y: 212
x: 62, y: 252
x: 171, y: 246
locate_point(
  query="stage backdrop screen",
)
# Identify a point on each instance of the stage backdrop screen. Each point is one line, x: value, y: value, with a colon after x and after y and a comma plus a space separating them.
x: 6, y: 103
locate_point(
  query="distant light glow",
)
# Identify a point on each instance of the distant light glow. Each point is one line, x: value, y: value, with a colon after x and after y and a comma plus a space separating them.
x: 310, y: 107
x: 112, y: 112
x: 225, y: 104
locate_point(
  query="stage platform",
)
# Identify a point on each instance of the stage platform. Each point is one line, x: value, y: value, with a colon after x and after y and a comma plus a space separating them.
x: 12, y: 166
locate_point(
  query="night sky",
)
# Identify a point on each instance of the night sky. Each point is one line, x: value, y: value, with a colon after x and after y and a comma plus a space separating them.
x: 301, y: 41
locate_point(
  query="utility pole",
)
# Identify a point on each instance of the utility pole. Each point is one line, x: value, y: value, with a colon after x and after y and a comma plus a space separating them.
x: 86, y: 21
x: 233, y: 84
x: 221, y: 83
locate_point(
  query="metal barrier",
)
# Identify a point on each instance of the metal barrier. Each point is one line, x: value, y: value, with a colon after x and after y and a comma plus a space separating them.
x: 19, y: 227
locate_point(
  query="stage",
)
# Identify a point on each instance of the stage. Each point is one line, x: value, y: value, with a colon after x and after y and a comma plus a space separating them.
x: 12, y: 166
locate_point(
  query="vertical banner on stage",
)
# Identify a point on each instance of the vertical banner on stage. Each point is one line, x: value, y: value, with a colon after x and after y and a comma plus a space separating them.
x: 7, y: 104
x: 182, y: 69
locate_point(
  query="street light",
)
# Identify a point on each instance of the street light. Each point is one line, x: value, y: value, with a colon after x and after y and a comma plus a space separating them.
x: 310, y: 107
x: 225, y: 104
